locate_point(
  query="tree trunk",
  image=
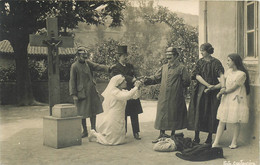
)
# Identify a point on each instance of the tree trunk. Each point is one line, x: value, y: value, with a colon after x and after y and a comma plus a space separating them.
x: 23, y: 81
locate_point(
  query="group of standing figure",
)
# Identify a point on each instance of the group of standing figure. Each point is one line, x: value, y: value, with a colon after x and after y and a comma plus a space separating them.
x: 83, y: 91
x: 216, y: 96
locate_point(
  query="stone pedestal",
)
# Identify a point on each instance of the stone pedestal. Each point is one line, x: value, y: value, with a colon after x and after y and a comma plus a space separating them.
x: 63, y: 129
x: 64, y: 110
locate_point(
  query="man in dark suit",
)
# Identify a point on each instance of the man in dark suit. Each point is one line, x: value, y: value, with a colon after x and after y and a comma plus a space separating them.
x: 83, y: 89
x: 133, y: 107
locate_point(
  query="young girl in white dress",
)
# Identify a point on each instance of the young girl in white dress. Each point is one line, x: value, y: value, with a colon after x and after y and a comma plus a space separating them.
x: 111, y: 130
x: 233, y: 107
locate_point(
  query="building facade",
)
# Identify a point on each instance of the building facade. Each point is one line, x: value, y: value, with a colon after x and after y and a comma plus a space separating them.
x: 233, y: 27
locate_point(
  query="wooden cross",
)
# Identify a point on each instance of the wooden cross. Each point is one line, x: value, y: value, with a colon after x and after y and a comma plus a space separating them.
x: 52, y: 41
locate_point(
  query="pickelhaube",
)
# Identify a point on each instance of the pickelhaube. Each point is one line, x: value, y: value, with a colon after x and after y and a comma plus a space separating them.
x: 82, y: 49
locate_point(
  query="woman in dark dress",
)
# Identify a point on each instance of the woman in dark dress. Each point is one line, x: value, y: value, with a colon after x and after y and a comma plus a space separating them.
x: 204, y: 103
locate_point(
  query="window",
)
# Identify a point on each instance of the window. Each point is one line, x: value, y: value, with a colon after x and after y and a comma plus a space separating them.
x: 251, y: 29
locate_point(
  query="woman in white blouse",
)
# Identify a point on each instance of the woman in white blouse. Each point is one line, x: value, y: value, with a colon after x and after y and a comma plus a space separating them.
x: 111, y: 131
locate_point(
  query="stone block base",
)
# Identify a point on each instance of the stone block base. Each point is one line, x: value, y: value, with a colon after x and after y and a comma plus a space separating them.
x: 64, y: 110
x: 61, y: 132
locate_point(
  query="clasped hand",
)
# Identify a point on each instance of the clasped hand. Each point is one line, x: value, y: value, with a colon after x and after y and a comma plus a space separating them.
x: 142, y: 78
x: 221, y: 92
x: 137, y: 83
x: 210, y: 87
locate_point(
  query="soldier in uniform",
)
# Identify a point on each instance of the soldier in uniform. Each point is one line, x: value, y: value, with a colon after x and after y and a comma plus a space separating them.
x: 171, y: 108
x: 82, y: 88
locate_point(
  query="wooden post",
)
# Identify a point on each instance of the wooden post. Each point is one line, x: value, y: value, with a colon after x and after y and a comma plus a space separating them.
x: 53, y: 42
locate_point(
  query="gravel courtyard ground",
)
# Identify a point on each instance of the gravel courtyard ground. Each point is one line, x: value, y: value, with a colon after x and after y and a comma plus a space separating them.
x: 21, y: 143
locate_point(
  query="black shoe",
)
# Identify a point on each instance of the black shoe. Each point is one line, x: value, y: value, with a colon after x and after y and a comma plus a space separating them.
x: 166, y: 136
x: 155, y: 141
x: 136, y: 136
x: 84, y: 134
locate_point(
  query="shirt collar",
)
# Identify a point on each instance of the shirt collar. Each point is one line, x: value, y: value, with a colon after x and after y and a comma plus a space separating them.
x: 80, y: 61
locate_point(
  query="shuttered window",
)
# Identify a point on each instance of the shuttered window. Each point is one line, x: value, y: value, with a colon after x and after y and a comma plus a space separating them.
x: 251, y: 28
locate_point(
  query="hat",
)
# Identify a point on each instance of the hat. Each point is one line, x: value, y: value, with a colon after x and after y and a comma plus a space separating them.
x: 82, y: 49
x: 122, y: 49
x: 172, y: 50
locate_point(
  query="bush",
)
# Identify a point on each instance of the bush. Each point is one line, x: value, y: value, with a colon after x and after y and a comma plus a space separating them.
x: 8, y: 74
x: 104, y: 53
x: 65, y: 64
x: 38, y: 69
x: 150, y: 92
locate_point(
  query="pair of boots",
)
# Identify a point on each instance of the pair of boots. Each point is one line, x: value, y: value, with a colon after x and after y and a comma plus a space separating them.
x: 84, y: 125
x: 197, y: 139
x: 84, y: 133
x: 163, y: 135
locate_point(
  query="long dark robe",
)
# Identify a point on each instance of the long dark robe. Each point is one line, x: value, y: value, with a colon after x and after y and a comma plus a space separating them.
x: 81, y: 84
x: 203, y: 106
x: 171, y: 107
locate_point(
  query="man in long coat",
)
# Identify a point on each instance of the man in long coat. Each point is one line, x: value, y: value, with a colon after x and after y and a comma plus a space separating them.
x: 171, y: 106
x: 133, y: 107
x: 82, y: 88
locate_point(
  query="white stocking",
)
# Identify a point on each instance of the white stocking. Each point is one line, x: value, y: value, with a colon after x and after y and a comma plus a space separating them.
x: 220, y: 130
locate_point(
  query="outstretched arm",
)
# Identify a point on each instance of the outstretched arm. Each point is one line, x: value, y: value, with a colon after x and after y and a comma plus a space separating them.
x: 155, y: 79
x: 126, y: 95
x: 98, y: 67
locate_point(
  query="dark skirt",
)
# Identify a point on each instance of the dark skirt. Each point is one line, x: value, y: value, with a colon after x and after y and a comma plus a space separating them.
x: 203, y: 110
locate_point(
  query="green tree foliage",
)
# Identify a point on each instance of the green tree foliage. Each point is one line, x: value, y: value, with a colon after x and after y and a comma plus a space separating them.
x: 24, y: 17
x: 143, y: 38
x: 104, y: 53
x: 144, y: 28
x: 7, y: 74
x: 182, y: 36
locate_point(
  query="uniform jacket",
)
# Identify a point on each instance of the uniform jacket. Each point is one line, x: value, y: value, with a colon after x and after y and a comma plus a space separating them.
x: 82, y: 85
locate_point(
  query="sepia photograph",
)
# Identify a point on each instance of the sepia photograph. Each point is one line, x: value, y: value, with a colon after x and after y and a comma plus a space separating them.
x: 129, y: 82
